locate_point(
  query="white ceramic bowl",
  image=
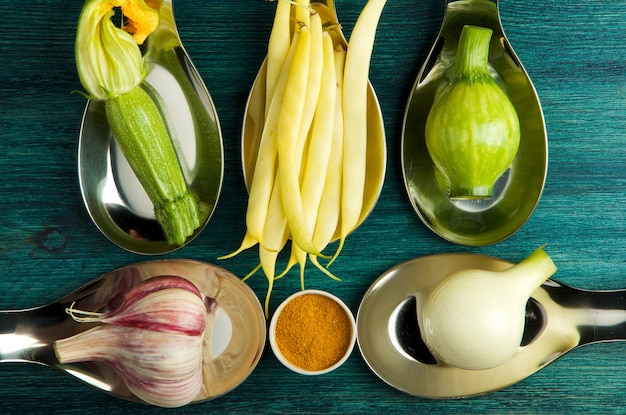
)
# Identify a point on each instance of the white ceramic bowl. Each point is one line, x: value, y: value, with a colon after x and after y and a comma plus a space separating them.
x: 289, y: 364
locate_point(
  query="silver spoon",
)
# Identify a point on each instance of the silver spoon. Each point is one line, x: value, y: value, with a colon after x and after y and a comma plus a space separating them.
x: 238, y: 333
x: 115, y: 200
x: 517, y: 192
x: 559, y: 318
x: 376, y: 144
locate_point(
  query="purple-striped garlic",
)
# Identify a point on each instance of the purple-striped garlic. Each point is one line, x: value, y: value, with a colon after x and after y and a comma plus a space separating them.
x: 153, y: 340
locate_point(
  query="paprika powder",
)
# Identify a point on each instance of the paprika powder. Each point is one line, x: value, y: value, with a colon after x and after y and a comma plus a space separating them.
x: 313, y: 331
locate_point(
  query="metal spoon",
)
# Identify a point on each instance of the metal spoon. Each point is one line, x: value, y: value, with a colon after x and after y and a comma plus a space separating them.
x: 559, y: 318
x: 376, y: 144
x: 517, y: 192
x: 116, y: 201
x: 238, y: 332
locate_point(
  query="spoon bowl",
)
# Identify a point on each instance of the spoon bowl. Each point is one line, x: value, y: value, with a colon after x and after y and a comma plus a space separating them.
x: 116, y: 201
x: 559, y: 318
x: 239, y: 327
x: 376, y: 144
x: 475, y: 222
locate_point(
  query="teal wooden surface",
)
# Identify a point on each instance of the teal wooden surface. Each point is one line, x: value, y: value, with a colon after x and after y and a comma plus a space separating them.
x: 575, y: 53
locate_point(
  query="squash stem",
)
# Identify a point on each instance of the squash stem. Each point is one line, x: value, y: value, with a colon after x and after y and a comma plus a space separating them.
x: 473, y: 52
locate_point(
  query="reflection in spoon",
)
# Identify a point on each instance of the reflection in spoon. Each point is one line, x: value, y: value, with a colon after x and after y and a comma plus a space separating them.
x: 559, y: 318
x: 406, y: 336
x: 236, y: 345
x: 517, y: 192
x: 116, y: 201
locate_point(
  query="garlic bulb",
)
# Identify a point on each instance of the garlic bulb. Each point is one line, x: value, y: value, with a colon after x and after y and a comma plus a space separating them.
x: 153, y: 339
x: 474, y: 319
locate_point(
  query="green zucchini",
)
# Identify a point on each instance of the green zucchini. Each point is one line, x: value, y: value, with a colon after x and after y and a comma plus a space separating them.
x: 143, y: 138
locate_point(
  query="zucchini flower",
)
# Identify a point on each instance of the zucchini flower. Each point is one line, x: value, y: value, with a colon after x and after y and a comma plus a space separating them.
x: 108, y: 58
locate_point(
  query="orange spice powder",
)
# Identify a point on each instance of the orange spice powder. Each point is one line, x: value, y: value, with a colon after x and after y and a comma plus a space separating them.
x: 313, y: 332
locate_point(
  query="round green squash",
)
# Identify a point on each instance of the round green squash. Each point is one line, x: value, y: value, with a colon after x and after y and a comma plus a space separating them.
x: 472, y: 130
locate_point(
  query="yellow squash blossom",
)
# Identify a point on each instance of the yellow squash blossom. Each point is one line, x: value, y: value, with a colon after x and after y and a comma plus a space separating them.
x: 108, y: 58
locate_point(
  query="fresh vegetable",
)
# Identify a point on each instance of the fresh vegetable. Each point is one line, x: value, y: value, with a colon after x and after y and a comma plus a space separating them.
x: 472, y: 131
x: 319, y: 155
x: 278, y: 47
x: 112, y: 69
x: 356, y: 74
x: 153, y: 339
x: 139, y: 130
x: 265, y: 167
x: 474, y: 319
x: 303, y: 178
x: 288, y: 128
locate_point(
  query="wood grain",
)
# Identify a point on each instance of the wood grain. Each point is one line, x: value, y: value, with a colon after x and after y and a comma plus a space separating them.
x: 575, y: 53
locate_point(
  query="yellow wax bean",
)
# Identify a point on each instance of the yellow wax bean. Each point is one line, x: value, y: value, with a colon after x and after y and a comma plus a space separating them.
x: 318, y: 150
x: 268, y: 264
x: 275, y: 235
x: 330, y: 203
x: 303, y: 12
x: 313, y: 86
x: 265, y: 168
x: 320, y: 145
x: 278, y: 48
x: 299, y: 256
x: 293, y: 260
x: 288, y: 129
x: 305, y: 135
x: 356, y: 74
x: 275, y: 230
x: 247, y: 242
x: 251, y: 273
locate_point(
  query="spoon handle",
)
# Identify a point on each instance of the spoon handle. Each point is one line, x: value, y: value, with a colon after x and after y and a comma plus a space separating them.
x: 601, y: 315
x: 28, y: 335
x: 453, y: 1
